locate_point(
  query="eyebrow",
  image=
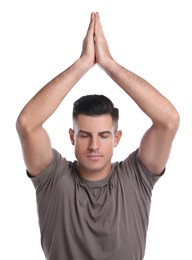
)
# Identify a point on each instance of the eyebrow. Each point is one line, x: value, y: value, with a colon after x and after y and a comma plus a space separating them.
x: 100, y: 133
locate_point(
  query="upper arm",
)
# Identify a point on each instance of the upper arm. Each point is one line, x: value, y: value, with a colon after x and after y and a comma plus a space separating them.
x: 36, y: 147
x: 155, y: 147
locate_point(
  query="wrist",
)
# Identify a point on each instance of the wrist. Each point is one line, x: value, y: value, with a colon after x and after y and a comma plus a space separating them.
x: 86, y: 63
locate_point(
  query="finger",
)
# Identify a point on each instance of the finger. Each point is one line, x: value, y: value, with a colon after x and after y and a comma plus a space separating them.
x: 98, y: 26
x: 91, y: 24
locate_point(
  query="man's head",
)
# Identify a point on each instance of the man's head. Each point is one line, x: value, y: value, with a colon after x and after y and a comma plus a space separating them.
x: 95, y: 121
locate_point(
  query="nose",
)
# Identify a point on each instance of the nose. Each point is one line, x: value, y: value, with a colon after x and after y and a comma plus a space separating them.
x: 94, y: 144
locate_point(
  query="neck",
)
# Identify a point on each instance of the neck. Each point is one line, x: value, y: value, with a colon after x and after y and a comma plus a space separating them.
x: 93, y: 175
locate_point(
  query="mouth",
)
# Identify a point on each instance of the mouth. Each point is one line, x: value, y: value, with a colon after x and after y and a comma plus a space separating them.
x: 94, y: 157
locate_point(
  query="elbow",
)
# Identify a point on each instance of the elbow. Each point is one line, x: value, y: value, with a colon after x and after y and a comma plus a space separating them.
x: 22, y: 125
x: 169, y: 122
x: 26, y: 124
x: 173, y: 122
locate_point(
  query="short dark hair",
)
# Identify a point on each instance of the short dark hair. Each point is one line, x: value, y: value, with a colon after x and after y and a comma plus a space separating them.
x: 96, y: 105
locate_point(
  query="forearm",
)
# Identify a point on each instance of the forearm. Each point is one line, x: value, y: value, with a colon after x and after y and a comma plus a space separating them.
x: 46, y: 101
x: 152, y: 103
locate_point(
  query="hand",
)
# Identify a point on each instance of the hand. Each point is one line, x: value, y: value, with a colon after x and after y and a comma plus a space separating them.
x: 102, y: 53
x: 88, y: 50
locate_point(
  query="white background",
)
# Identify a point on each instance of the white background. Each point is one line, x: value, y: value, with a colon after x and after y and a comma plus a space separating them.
x: 39, y: 39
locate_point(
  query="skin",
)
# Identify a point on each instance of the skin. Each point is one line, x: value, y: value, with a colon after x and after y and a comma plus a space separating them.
x: 94, y: 139
x: 155, y: 146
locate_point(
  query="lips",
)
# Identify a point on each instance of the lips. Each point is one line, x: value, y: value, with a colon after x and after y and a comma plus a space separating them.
x: 94, y: 156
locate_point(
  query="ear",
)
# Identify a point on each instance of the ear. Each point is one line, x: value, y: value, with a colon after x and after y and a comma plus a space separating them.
x: 118, y: 135
x: 71, y: 135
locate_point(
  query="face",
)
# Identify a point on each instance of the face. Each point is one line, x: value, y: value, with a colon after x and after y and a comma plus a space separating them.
x: 94, y: 139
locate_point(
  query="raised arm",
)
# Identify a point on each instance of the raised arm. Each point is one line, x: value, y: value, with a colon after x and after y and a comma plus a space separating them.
x: 156, y: 143
x: 35, y: 142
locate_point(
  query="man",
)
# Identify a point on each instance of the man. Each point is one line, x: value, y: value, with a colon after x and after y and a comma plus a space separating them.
x: 93, y: 209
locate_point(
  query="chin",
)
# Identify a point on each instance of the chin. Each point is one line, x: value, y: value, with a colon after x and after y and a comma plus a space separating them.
x: 91, y: 165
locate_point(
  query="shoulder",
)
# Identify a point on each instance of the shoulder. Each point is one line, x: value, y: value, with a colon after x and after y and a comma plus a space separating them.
x: 133, y: 167
x: 58, y: 167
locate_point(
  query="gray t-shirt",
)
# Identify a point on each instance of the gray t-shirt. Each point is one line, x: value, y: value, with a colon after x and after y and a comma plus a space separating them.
x: 94, y: 220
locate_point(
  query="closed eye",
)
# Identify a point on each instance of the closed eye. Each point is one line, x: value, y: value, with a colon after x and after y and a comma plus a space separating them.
x: 83, y: 134
x: 105, y: 135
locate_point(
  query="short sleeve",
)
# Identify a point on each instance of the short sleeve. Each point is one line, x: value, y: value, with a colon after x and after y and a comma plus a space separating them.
x: 142, y: 179
x: 48, y: 177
